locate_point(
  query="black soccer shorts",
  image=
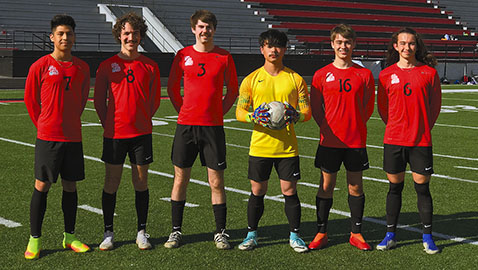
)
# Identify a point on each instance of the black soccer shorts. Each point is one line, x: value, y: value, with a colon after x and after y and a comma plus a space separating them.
x: 329, y: 159
x: 396, y: 157
x: 139, y: 150
x: 260, y: 168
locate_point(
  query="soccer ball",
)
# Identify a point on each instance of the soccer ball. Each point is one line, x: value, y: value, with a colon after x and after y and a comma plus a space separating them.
x: 277, y: 115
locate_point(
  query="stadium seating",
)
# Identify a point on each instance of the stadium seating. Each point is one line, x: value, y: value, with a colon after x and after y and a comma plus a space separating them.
x: 310, y: 22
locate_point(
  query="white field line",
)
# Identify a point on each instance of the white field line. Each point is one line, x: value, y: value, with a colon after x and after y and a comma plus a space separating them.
x: 466, y: 168
x: 437, y: 124
x: 460, y: 99
x: 452, y: 91
x: 9, y: 223
x: 187, y: 204
x: 305, y: 205
x: 92, y: 209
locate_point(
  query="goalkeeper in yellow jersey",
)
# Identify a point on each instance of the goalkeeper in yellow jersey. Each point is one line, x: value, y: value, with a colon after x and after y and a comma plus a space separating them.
x: 273, y: 147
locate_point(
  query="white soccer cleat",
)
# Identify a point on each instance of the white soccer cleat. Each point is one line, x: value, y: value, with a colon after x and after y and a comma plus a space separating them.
x: 220, y: 239
x: 108, y: 241
x: 173, y: 240
x: 142, y: 240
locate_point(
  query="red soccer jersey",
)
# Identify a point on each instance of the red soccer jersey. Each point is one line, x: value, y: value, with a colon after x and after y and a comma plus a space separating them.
x: 127, y: 94
x: 409, y: 102
x: 342, y: 101
x: 55, y: 96
x: 204, y: 74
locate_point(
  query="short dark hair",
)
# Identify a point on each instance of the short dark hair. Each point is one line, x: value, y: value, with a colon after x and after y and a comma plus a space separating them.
x: 421, y: 54
x: 344, y: 30
x: 205, y: 16
x: 62, y: 19
x: 274, y: 38
x: 136, y: 21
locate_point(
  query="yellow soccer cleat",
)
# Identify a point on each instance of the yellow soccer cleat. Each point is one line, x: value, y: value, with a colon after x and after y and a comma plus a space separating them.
x: 70, y: 241
x: 33, y: 248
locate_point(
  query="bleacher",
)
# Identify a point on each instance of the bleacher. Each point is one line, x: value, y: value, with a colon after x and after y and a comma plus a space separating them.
x: 310, y: 22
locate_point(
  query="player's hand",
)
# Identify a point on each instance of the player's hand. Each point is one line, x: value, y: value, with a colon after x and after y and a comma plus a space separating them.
x: 291, y: 114
x: 261, y: 115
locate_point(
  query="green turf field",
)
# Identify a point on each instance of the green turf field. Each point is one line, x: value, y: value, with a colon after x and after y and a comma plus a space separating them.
x: 454, y: 189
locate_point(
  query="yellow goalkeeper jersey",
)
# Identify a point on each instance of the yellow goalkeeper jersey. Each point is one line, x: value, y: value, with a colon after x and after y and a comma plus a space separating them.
x: 259, y: 87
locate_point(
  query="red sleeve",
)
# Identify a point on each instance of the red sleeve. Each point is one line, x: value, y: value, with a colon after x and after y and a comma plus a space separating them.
x: 174, y: 83
x: 369, y: 97
x: 86, y: 86
x: 231, y: 85
x: 100, y: 95
x: 316, y: 101
x: 382, y: 101
x: 435, y: 100
x: 32, y: 93
x: 155, y: 90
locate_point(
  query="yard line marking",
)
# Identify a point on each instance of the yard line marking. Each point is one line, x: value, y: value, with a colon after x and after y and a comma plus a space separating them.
x: 9, y: 223
x: 437, y: 124
x: 467, y: 168
x: 3, y: 103
x: 92, y: 209
x: 272, y: 198
x: 460, y: 99
x: 375, y: 179
x: 187, y: 204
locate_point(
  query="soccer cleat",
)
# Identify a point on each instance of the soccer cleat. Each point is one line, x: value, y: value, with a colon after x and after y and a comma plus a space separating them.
x: 319, y: 241
x: 250, y: 242
x: 33, y: 248
x: 429, y: 244
x: 388, y: 242
x: 173, y: 240
x: 356, y: 240
x: 220, y: 239
x: 70, y: 241
x: 108, y: 241
x: 297, y: 243
x: 142, y: 240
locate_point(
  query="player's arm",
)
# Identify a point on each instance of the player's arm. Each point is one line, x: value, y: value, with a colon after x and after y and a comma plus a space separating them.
x: 435, y: 100
x: 174, y: 83
x: 317, y: 101
x: 85, y: 90
x: 155, y: 88
x: 382, y: 101
x: 230, y: 77
x: 303, y: 102
x: 369, y: 97
x: 244, y: 102
x: 100, y: 94
x: 32, y: 94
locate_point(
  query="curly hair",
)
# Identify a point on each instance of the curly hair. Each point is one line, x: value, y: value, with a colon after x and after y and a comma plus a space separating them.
x: 205, y: 16
x: 136, y: 21
x: 62, y: 19
x: 421, y: 53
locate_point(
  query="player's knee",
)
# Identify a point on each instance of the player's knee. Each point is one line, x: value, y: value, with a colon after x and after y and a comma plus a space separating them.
x: 396, y: 188
x: 355, y: 190
x: 423, y: 189
x: 68, y: 186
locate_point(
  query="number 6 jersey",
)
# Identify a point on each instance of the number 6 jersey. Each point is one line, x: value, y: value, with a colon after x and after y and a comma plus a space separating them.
x: 409, y: 102
x: 55, y: 96
x: 342, y: 101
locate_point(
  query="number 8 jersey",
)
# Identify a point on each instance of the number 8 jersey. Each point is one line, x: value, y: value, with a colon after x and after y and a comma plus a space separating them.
x: 342, y: 101
x: 409, y: 102
x: 55, y: 96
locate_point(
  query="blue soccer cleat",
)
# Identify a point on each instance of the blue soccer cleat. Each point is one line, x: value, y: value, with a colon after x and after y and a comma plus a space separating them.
x: 388, y: 242
x: 429, y: 244
x: 250, y: 242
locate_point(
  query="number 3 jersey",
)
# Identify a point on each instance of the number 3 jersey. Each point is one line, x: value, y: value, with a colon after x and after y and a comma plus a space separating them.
x: 127, y: 95
x: 409, y: 102
x: 342, y: 102
x: 204, y: 74
x: 55, y: 96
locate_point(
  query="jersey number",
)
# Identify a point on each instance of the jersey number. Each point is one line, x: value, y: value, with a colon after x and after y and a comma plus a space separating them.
x: 130, y: 76
x: 203, y: 70
x: 345, y: 85
x: 68, y: 80
x: 407, y: 90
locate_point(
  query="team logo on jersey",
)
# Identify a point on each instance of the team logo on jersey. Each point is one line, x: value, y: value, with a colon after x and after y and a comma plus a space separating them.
x: 52, y: 71
x: 329, y: 77
x: 395, y: 79
x: 188, y: 61
x: 115, y: 67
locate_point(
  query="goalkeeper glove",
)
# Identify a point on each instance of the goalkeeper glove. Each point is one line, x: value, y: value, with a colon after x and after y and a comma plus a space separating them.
x: 261, y: 115
x: 291, y: 114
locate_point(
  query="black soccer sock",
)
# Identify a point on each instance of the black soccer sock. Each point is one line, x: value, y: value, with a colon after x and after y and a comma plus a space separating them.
x: 394, y: 204
x: 293, y: 212
x: 69, y: 205
x: 37, y: 212
x: 108, y: 202
x: 356, y: 205
x: 425, y: 206
x: 177, y: 210
x: 323, y: 206
x: 142, y: 206
x: 220, y: 212
x: 255, y: 209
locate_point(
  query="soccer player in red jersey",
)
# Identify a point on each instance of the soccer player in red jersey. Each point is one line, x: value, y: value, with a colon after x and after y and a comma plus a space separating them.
x: 56, y: 92
x: 127, y: 95
x: 342, y: 99
x: 409, y: 101
x: 204, y: 67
